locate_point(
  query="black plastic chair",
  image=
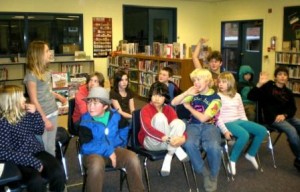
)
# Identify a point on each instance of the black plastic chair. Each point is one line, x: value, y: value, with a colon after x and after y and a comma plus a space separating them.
x: 271, y: 130
x: 10, y: 174
x: 141, y: 151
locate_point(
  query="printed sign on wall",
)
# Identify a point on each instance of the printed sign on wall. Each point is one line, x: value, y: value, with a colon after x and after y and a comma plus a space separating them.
x: 102, y: 36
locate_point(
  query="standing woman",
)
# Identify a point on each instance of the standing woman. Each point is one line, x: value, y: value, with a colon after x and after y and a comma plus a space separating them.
x: 121, y: 96
x: 38, y: 84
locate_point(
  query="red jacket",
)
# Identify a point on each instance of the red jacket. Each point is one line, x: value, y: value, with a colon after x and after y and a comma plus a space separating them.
x: 80, y: 104
x: 147, y: 113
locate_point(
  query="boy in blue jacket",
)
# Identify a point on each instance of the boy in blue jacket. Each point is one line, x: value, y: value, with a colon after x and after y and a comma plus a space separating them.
x: 102, y: 140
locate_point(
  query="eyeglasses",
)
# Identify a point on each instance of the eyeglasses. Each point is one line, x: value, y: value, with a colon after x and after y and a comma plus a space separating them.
x: 92, y: 101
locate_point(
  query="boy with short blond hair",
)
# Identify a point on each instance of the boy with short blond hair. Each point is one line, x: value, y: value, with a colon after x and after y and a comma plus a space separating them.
x: 204, y: 105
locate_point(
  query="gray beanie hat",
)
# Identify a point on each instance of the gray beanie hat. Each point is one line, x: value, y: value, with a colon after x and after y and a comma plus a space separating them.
x: 99, y: 93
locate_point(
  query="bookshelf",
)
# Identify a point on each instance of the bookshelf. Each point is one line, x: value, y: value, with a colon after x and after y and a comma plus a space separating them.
x: 291, y: 60
x: 13, y: 73
x: 143, y: 69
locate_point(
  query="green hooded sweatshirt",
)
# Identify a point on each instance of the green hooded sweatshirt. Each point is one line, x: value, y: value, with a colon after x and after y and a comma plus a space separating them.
x: 244, y: 86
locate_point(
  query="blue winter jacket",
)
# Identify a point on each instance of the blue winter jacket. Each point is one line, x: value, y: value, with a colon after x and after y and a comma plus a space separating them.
x: 96, y: 138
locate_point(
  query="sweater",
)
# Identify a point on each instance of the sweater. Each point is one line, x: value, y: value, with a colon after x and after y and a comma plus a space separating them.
x: 147, y: 113
x: 80, y: 105
x: 232, y: 109
x: 274, y: 101
x: 18, y: 143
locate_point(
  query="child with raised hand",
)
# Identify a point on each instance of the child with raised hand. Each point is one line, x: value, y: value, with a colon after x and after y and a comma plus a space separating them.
x: 204, y: 104
x: 160, y: 127
x: 245, y: 84
x: 20, y: 123
x: 121, y: 96
x: 233, y: 117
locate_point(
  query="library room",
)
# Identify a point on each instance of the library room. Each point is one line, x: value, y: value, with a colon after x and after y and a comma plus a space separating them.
x: 86, y: 75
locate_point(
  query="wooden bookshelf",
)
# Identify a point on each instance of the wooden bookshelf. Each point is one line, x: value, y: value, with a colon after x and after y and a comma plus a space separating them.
x: 142, y: 70
x: 291, y: 60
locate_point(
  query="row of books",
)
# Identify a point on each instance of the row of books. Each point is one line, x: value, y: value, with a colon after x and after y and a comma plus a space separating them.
x: 294, y: 86
x: 3, y: 74
x: 72, y: 69
x: 294, y: 72
x: 144, y: 90
x: 174, y: 50
x: 288, y: 58
x: 291, y: 45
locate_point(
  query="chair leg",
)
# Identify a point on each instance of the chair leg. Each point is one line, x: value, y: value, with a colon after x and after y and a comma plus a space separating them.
x: 79, y: 157
x: 259, y: 163
x: 277, y: 138
x: 146, y: 174
x: 186, y: 176
x: 270, y: 146
x: 225, y: 147
x: 63, y: 159
x: 194, y: 177
x: 123, y: 176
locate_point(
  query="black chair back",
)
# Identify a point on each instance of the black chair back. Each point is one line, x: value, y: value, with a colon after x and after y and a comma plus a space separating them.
x: 71, y: 128
x: 182, y: 112
x: 135, y: 128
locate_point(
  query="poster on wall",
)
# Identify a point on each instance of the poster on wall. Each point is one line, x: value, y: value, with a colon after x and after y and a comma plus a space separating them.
x: 102, y: 36
x: 291, y: 28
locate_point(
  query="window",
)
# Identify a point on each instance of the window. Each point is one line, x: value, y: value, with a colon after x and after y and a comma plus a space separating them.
x: 145, y: 25
x: 63, y: 32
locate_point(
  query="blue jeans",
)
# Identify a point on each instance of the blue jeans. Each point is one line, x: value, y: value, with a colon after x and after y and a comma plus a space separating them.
x: 242, y: 130
x: 291, y: 127
x: 206, y: 137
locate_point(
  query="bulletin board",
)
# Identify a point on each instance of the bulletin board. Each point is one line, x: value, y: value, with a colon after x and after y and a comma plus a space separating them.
x: 291, y: 23
x: 102, y: 36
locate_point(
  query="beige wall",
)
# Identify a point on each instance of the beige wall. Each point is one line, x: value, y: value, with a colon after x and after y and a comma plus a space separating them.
x: 195, y: 19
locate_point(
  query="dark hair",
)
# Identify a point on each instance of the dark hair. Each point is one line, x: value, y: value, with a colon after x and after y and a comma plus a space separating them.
x: 117, y: 78
x: 215, y: 55
x: 281, y: 69
x: 99, y: 76
x: 159, y: 88
x: 169, y: 70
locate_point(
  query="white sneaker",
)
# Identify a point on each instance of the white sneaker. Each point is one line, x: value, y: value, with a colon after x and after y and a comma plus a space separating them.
x: 231, y: 168
x: 181, y: 155
x: 166, y: 167
x: 252, y: 160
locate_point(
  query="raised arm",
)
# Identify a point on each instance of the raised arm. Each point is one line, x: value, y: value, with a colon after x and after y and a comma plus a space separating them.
x: 196, y: 53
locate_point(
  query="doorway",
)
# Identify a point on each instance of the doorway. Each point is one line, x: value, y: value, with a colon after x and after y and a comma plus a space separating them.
x: 242, y: 45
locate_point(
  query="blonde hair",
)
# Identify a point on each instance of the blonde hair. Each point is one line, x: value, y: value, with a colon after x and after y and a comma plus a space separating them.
x: 202, y: 74
x: 35, y: 59
x: 228, y: 78
x: 10, y: 103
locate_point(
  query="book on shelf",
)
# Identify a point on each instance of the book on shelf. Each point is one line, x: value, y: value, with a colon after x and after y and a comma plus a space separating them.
x: 156, y: 49
x: 80, y: 55
x: 286, y: 46
x: 148, y: 50
x: 59, y: 80
x: 52, y: 55
x: 168, y: 50
x: 179, y: 50
x: 74, y: 84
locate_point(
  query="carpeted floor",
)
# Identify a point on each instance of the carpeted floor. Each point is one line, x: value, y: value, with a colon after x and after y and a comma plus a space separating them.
x: 283, y: 178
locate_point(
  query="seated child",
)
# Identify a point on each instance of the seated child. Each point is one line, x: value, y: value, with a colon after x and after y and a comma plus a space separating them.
x: 204, y: 105
x: 121, y: 96
x: 20, y: 123
x: 233, y: 118
x: 161, y: 129
x: 164, y: 76
x: 245, y: 84
x: 103, y: 144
